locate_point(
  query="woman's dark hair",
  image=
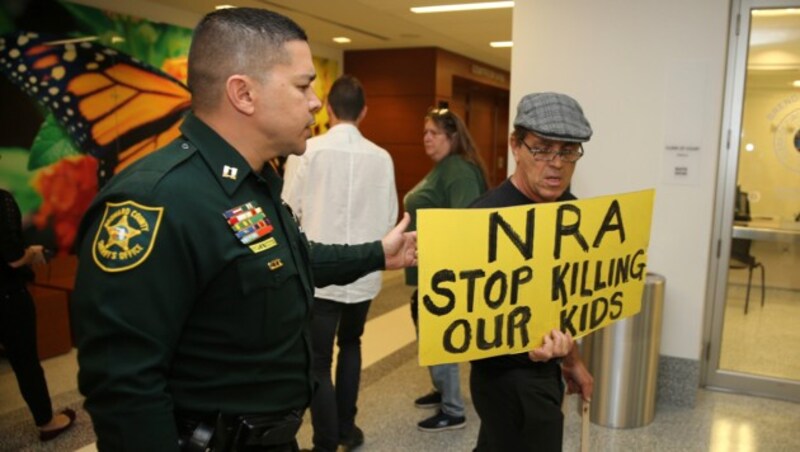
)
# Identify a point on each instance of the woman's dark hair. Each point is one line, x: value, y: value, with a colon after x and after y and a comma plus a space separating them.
x: 461, y: 141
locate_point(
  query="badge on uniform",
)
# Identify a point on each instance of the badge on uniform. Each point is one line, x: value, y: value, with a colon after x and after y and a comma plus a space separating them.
x: 126, y: 235
x: 248, y: 222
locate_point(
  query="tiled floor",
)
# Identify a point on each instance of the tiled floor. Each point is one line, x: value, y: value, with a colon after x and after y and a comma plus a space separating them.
x: 766, y: 340
x: 718, y: 422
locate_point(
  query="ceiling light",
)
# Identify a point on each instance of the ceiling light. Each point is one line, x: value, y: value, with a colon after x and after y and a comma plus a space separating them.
x: 796, y: 83
x: 749, y: 147
x: 341, y: 39
x: 461, y: 7
x: 776, y: 12
x: 224, y: 6
x: 498, y: 44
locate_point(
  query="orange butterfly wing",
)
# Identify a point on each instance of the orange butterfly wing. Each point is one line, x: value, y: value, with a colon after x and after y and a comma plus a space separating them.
x: 115, y: 107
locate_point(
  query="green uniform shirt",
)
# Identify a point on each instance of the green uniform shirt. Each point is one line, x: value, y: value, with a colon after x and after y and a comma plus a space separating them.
x: 453, y: 183
x: 173, y: 312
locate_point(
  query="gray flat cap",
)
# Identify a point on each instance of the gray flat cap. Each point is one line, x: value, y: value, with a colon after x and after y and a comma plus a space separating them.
x: 554, y: 116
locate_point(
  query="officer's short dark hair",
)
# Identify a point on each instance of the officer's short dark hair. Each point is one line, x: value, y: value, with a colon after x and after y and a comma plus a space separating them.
x: 346, y: 98
x: 246, y: 41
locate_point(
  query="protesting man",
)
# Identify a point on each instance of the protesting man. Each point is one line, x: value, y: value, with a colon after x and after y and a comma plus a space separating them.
x: 518, y: 396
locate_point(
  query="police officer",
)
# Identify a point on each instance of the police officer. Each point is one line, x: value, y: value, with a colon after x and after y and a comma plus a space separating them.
x: 193, y: 294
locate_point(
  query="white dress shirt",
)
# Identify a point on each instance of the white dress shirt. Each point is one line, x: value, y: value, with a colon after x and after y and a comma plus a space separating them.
x: 342, y: 190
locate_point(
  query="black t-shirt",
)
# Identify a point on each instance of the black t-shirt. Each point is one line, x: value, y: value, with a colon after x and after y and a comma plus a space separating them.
x: 507, y: 195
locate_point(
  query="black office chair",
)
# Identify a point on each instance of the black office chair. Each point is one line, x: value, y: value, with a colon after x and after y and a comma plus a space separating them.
x: 740, y: 248
x: 741, y: 207
x: 741, y: 259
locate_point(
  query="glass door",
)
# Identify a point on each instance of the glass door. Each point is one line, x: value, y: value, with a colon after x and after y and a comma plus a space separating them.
x: 754, y: 340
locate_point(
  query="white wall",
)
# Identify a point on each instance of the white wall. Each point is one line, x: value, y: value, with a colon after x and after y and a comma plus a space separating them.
x: 625, y: 61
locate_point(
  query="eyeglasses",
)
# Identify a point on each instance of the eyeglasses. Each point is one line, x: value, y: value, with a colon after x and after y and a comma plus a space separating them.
x: 569, y: 154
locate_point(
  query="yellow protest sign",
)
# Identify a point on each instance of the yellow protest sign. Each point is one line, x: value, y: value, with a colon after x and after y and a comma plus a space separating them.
x: 495, y: 281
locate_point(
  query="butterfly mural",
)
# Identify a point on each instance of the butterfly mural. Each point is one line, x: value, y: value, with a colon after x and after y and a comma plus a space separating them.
x: 104, y: 104
x: 113, y: 106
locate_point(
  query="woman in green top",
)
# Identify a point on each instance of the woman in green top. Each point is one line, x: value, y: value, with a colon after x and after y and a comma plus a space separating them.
x: 458, y: 177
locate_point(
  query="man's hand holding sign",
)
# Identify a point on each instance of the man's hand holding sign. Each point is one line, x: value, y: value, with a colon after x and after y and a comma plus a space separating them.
x: 554, y: 345
x: 526, y: 271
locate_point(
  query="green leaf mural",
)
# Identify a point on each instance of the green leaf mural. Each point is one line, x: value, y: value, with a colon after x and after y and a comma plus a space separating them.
x: 51, y: 145
x: 147, y: 41
x: 16, y: 178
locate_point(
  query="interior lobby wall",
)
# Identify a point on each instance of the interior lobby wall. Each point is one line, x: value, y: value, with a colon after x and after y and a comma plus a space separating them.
x: 626, y: 63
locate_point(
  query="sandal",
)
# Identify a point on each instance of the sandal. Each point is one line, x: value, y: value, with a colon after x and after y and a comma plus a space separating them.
x: 47, y: 435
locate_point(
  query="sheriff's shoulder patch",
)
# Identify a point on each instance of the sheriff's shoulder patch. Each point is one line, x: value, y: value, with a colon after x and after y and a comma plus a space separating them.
x: 126, y: 235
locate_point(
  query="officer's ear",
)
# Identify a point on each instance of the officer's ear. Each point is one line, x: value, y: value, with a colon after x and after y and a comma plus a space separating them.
x: 239, y: 91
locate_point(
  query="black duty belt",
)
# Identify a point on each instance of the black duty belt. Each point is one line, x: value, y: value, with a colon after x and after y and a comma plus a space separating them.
x: 225, y: 433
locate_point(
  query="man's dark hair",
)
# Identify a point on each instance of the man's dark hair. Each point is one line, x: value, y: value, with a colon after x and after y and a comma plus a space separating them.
x: 246, y: 41
x: 346, y: 98
x: 519, y: 134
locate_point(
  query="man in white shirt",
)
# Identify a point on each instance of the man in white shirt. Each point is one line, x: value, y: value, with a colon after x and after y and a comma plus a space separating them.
x: 342, y: 190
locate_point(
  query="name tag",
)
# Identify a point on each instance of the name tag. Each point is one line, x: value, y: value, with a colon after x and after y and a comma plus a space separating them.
x: 263, y: 246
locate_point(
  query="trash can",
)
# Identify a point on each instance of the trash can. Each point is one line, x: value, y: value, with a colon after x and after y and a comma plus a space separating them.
x: 623, y: 359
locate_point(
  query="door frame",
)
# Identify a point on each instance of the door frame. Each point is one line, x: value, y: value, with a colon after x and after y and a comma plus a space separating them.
x: 727, y: 172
